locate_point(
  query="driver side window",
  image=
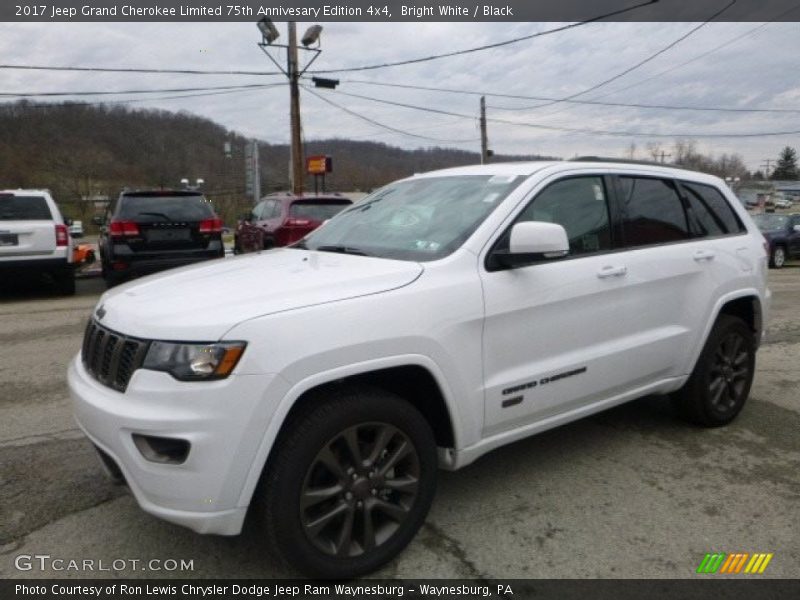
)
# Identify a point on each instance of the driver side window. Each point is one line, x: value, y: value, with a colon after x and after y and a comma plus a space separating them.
x: 580, y: 206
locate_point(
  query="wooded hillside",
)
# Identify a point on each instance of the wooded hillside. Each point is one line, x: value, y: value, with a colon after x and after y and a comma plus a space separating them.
x: 84, y: 151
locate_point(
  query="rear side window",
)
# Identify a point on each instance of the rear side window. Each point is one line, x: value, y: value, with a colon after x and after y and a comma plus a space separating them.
x: 24, y: 208
x: 165, y: 208
x: 709, y: 212
x: 652, y: 212
x: 316, y: 211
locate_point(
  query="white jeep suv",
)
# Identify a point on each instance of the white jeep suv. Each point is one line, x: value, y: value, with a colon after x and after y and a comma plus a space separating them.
x: 34, y: 238
x: 320, y: 385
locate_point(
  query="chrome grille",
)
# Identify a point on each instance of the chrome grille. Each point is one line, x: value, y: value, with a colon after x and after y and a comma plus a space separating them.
x: 110, y: 357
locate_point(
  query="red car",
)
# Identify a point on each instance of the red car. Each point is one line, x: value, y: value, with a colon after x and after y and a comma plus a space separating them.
x: 282, y: 219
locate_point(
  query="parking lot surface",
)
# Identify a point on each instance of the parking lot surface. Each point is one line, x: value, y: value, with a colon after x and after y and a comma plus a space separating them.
x: 632, y: 492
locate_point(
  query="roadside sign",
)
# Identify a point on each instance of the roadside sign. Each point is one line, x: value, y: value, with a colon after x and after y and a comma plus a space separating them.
x: 319, y: 165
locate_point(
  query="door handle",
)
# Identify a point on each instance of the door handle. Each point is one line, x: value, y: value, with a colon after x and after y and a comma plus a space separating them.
x: 702, y: 255
x: 611, y: 271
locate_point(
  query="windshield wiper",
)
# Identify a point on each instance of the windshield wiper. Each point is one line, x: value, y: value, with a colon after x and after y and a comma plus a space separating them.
x: 341, y: 250
x: 156, y: 214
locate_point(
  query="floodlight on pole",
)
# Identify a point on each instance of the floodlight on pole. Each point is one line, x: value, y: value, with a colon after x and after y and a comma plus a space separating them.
x: 268, y: 30
x: 311, y: 36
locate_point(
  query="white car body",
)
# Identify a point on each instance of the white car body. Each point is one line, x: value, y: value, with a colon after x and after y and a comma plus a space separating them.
x: 36, y: 246
x: 593, y: 331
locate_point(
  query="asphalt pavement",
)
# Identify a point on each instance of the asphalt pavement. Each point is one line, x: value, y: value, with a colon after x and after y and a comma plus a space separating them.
x: 632, y: 492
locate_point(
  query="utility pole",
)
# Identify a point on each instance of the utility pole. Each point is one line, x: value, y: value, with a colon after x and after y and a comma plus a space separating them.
x: 766, y: 166
x: 298, y: 176
x: 484, y: 137
x: 665, y: 156
x: 293, y: 72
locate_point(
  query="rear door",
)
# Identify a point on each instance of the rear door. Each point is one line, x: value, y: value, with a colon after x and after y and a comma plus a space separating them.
x: 169, y: 222
x: 27, y: 226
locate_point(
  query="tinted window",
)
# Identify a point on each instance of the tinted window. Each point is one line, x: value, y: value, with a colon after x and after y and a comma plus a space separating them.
x: 316, y: 211
x: 165, y: 208
x: 710, y: 214
x: 24, y: 208
x: 580, y: 206
x: 652, y: 212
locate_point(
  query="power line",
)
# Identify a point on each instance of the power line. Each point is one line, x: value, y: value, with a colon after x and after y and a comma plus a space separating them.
x: 572, y: 129
x: 413, y: 61
x: 382, y: 125
x: 134, y: 100
x: 590, y: 102
x: 700, y: 56
x: 135, y: 70
x: 346, y: 69
x: 119, y: 92
x: 642, y: 62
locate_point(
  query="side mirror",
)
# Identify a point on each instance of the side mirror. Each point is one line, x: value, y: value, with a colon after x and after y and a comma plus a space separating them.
x: 98, y: 220
x: 532, y: 242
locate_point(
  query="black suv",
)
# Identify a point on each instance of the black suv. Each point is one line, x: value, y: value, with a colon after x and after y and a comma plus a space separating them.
x: 147, y: 232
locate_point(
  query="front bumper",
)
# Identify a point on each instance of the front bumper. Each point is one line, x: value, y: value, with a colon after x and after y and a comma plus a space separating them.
x: 224, y: 421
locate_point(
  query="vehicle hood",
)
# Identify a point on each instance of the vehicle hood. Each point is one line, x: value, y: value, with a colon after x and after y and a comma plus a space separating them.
x: 202, y: 302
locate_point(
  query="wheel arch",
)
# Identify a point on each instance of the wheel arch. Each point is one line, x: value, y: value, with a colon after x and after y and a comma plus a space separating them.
x: 745, y: 304
x: 413, y: 377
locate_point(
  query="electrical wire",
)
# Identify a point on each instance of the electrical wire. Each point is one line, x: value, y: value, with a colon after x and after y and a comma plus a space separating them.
x: 120, y: 92
x: 136, y: 70
x: 572, y: 129
x: 383, y: 125
x: 640, y: 63
x: 413, y: 61
x: 589, y: 102
x: 134, y: 100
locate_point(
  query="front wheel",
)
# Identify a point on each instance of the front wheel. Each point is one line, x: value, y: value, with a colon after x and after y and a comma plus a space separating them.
x: 349, y: 484
x: 720, y: 383
x: 778, y: 257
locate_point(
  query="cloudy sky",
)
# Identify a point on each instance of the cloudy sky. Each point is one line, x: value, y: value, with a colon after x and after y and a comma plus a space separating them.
x: 746, y: 65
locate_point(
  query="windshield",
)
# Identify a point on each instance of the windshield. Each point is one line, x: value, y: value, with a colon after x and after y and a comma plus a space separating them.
x: 419, y: 219
x: 165, y: 208
x: 771, y: 222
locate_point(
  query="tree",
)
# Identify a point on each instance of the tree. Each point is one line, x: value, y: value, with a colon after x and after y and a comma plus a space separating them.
x: 787, y: 165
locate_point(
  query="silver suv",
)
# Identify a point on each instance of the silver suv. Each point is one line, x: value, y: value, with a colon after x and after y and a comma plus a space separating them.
x: 34, y: 238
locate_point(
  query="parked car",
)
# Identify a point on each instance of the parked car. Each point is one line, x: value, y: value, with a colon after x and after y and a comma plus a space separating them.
x: 34, y: 238
x: 282, y: 219
x: 782, y: 233
x: 76, y: 229
x: 149, y: 231
x: 441, y: 317
x: 782, y: 202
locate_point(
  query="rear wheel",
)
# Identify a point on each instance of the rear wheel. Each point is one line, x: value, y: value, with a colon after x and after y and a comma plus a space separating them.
x: 778, y: 257
x: 349, y: 484
x: 720, y: 383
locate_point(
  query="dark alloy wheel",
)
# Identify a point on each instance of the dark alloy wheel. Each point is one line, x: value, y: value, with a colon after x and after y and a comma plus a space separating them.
x: 720, y: 383
x: 359, y: 489
x: 348, y: 484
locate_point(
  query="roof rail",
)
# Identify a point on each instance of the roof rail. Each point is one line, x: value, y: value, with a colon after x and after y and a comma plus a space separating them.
x: 626, y: 161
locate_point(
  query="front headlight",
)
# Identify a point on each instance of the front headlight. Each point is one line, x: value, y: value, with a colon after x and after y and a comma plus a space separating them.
x: 194, y: 362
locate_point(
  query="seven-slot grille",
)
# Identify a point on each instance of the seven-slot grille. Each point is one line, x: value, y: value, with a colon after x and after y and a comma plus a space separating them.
x: 111, y: 357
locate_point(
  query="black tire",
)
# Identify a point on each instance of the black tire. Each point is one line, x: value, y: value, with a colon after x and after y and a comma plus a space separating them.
x: 777, y: 258
x: 359, y: 496
x: 720, y: 383
x: 65, y: 281
x: 269, y: 243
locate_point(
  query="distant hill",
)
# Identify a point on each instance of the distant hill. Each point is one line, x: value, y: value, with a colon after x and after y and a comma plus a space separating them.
x: 84, y: 151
